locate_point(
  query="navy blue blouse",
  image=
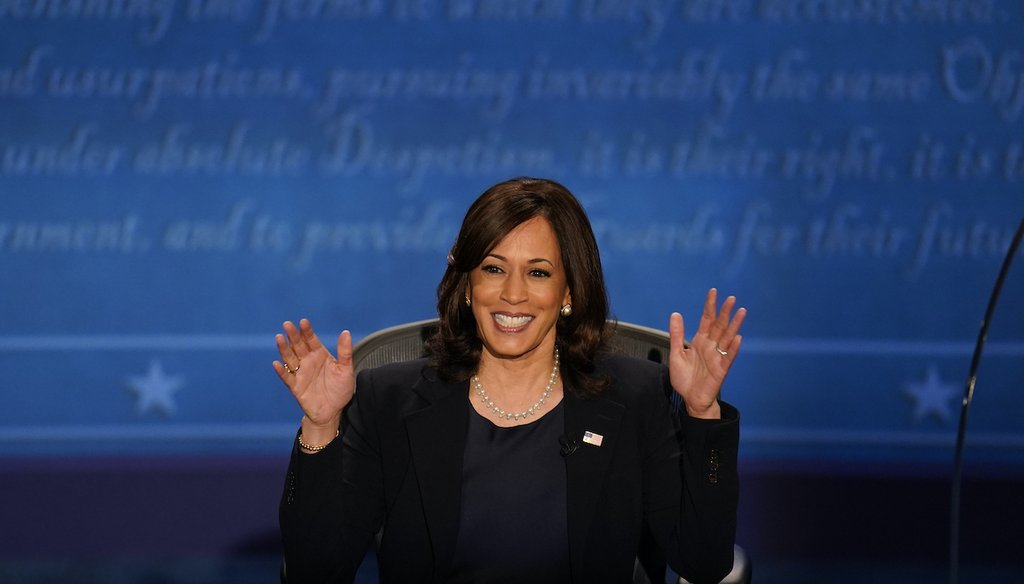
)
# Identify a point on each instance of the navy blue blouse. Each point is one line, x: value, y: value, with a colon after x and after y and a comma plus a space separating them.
x: 512, y: 527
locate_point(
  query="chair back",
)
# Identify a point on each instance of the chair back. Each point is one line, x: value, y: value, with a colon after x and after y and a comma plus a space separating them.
x: 403, y: 342
x: 407, y: 341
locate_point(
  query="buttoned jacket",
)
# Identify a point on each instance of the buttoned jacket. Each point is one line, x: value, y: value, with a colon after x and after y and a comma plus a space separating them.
x: 394, y: 477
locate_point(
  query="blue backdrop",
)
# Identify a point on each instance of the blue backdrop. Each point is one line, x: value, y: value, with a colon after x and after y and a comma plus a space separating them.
x: 180, y: 176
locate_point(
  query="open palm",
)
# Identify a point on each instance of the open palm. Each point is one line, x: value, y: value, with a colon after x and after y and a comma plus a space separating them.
x: 321, y: 384
x: 698, y: 370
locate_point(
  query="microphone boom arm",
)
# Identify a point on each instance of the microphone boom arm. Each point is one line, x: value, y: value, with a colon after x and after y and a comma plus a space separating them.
x: 972, y: 375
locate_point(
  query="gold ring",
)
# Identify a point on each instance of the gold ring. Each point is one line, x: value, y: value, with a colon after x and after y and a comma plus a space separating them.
x: 720, y: 350
x: 287, y: 368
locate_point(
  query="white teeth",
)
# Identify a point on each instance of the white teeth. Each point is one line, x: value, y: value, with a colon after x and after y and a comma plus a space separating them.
x: 511, y: 321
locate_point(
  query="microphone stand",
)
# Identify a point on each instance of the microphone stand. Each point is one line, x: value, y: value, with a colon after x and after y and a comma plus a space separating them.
x: 972, y: 374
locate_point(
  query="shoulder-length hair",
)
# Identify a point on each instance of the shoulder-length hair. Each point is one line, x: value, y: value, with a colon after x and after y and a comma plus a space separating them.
x: 455, y: 348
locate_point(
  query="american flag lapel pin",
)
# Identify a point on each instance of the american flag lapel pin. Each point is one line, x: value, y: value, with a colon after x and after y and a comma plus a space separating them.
x: 592, y: 438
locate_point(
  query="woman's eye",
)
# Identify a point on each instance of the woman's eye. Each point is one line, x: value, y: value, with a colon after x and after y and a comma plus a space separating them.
x: 491, y: 269
x: 540, y: 273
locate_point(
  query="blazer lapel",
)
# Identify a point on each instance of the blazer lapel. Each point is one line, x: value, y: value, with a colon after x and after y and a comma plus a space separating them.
x: 586, y: 468
x: 437, y: 441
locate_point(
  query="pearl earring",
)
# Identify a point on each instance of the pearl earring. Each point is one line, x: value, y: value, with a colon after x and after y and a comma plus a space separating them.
x: 566, y: 310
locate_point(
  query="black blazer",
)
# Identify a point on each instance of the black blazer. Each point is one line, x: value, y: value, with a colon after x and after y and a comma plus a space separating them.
x: 398, y: 466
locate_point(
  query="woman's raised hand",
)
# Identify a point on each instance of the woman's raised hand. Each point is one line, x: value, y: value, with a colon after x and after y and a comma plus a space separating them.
x: 697, y: 371
x: 321, y: 384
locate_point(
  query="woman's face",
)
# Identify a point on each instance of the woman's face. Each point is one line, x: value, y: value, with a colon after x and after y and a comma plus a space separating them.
x: 517, y: 292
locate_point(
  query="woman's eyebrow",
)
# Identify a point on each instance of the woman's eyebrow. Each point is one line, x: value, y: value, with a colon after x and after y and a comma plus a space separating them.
x: 532, y: 261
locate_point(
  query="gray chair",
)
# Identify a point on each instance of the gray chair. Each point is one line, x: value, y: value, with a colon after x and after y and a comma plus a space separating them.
x: 406, y: 341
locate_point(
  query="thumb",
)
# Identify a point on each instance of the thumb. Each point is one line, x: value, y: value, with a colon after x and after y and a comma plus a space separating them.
x: 345, y: 348
x: 676, y: 332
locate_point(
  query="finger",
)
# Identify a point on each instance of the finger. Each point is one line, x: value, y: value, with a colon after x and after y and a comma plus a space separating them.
x: 708, y: 316
x: 676, y: 332
x: 734, y: 349
x: 732, y: 331
x: 285, y: 349
x: 721, y: 323
x: 345, y: 348
x: 283, y: 373
x: 294, y: 337
x: 309, y: 339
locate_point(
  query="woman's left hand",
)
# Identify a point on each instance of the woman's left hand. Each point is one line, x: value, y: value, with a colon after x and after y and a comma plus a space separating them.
x: 697, y: 371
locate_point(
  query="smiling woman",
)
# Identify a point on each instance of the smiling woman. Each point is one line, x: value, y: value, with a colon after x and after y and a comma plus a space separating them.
x: 533, y: 221
x: 517, y: 292
x: 519, y: 407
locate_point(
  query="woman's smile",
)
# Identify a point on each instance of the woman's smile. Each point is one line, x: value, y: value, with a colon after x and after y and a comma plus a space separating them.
x: 511, y: 323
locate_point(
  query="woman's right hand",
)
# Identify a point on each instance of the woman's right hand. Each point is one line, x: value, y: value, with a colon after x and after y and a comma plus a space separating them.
x: 321, y: 384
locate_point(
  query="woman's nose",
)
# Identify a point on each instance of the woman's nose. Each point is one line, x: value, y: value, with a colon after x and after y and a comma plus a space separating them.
x: 514, y: 290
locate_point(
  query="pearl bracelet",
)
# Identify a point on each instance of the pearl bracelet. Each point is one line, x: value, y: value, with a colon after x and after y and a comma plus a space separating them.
x: 317, y: 448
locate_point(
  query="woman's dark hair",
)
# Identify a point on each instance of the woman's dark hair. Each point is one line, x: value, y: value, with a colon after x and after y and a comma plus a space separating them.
x: 455, y: 348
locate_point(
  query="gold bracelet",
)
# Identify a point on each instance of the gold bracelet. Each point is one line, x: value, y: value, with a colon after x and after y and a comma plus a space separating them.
x: 317, y: 448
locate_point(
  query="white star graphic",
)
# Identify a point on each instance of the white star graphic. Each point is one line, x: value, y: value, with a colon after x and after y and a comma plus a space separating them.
x: 932, y: 396
x: 155, y: 391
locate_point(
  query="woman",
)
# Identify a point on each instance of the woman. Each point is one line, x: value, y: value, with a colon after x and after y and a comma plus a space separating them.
x: 520, y: 450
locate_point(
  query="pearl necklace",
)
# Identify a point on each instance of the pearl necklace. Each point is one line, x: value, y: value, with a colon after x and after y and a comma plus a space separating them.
x: 532, y: 410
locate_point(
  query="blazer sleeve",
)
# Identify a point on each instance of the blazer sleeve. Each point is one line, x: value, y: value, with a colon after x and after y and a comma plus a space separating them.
x: 692, y: 488
x: 327, y: 519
